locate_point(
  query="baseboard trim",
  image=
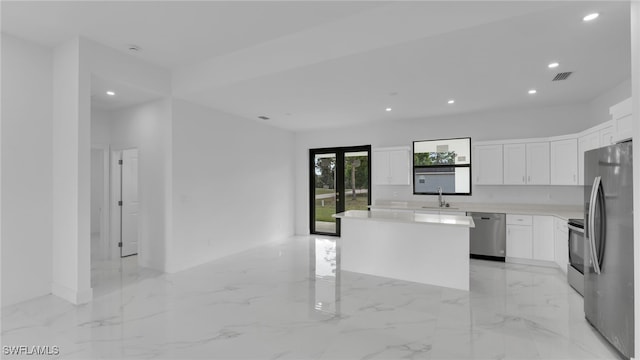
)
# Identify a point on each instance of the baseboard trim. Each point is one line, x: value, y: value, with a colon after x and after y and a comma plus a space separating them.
x: 550, y: 264
x: 75, y: 297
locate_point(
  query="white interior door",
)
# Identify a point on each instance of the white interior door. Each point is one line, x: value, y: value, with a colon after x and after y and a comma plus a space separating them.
x: 130, y: 203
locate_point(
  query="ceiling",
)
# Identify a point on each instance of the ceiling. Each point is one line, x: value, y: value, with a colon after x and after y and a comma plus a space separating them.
x: 124, y: 96
x: 309, y: 65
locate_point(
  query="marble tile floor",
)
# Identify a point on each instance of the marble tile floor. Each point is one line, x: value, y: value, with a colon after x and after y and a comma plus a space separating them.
x: 291, y: 301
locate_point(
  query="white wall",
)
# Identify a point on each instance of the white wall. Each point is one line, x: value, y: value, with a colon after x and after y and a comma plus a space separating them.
x: 97, y: 186
x: 26, y: 170
x: 147, y: 128
x: 503, y: 124
x: 599, y: 107
x: 232, y: 184
x: 100, y: 127
x: 635, y: 79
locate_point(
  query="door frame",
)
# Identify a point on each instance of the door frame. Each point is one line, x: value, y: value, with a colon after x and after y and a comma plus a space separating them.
x: 105, y: 228
x: 116, y: 196
x: 339, y: 186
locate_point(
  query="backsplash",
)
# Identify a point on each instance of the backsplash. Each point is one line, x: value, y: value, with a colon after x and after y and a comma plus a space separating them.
x: 503, y: 194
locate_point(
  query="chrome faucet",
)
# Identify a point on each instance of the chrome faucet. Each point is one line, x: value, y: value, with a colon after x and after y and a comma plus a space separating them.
x: 441, y: 201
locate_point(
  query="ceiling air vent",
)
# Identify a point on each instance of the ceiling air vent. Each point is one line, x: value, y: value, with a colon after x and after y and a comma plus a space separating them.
x: 562, y: 76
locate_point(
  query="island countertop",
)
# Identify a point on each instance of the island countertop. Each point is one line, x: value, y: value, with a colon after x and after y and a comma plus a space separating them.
x: 564, y: 212
x: 407, y: 217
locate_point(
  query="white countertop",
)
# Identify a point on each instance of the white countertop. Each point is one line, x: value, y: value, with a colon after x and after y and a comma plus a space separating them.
x: 560, y: 211
x: 407, y: 217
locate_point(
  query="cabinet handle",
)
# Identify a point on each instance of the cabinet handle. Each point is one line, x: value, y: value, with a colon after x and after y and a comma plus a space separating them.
x: 529, y: 178
x: 574, y: 177
x: 523, y: 179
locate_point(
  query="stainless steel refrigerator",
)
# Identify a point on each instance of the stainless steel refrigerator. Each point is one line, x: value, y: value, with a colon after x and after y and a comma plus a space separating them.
x: 608, y: 276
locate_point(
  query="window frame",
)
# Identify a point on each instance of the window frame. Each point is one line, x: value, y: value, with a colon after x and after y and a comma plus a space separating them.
x: 414, y: 167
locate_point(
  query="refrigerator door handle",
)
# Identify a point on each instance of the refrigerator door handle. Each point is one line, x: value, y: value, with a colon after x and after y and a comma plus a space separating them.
x: 592, y: 223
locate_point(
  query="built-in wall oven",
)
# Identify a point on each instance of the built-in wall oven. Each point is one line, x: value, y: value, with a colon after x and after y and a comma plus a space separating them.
x: 577, y: 246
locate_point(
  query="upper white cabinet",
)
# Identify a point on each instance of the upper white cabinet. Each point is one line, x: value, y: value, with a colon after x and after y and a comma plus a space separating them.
x: 607, y: 136
x: 564, y: 162
x: 515, y: 164
x: 391, y: 166
x: 487, y: 162
x: 526, y: 163
x: 538, y: 163
x: 555, y: 161
x: 622, y: 122
x: 586, y: 142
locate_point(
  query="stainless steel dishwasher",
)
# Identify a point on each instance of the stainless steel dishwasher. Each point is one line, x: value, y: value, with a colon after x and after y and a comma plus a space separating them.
x: 488, y: 240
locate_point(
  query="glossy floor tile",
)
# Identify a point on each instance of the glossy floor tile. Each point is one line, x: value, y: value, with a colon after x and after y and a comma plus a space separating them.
x: 292, y: 301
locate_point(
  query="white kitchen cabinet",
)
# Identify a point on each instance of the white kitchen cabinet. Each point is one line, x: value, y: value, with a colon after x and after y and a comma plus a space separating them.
x: 441, y: 212
x: 538, y: 163
x: 519, y: 241
x: 622, y: 121
x: 543, y: 238
x: 519, y: 236
x: 586, y: 142
x: 515, y: 164
x: 488, y: 166
x: 564, y: 162
x: 561, y: 239
x: 526, y: 164
x: 607, y: 136
x: 429, y: 212
x: 453, y: 212
x: 391, y: 166
x: 531, y: 238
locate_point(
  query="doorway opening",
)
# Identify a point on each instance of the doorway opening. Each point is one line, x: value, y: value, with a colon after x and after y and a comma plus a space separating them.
x: 340, y: 180
x: 99, y: 203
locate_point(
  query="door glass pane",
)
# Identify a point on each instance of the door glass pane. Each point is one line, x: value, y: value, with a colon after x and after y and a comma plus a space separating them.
x: 356, y: 180
x: 325, y: 193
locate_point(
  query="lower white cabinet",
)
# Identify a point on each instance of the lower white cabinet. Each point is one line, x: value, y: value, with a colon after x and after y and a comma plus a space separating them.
x: 543, y: 238
x: 530, y: 237
x: 519, y: 241
x: 561, y: 238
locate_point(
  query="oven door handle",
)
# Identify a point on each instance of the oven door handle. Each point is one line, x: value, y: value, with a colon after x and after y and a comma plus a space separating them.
x: 592, y: 223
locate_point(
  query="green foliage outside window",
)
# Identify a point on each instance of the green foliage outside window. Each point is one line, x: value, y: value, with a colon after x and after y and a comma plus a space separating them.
x: 434, y: 158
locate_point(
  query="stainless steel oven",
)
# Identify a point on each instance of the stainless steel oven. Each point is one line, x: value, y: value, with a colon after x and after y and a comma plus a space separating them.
x: 577, y: 246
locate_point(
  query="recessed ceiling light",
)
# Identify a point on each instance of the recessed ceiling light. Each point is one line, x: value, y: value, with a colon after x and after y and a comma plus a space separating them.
x: 451, y: 101
x: 388, y: 109
x: 590, y: 17
x: 553, y: 65
x: 532, y: 91
x: 262, y: 117
x: 110, y: 93
x: 133, y: 48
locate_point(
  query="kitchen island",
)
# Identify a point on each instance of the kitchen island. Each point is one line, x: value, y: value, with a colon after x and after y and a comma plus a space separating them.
x: 425, y: 248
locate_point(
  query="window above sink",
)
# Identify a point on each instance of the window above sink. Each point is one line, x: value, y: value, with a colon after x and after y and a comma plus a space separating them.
x: 442, y: 164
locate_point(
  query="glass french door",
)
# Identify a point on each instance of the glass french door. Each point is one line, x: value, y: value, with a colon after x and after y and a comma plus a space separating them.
x: 340, y: 180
